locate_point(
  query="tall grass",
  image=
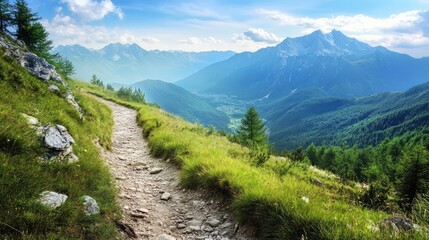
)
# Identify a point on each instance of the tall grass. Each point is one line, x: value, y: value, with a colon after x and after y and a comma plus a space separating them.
x: 270, y: 199
x: 23, y: 176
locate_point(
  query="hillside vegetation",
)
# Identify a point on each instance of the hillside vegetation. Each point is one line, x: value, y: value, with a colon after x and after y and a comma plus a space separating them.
x: 310, y: 116
x: 278, y: 197
x: 24, y: 175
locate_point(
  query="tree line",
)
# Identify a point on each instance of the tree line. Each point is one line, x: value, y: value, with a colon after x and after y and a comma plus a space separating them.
x: 19, y: 21
x: 125, y: 93
x: 396, y: 170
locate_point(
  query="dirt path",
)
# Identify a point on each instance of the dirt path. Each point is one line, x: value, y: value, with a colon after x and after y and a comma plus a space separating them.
x: 153, y: 202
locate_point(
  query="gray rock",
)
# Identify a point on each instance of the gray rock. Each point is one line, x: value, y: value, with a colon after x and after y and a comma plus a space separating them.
x: 54, y: 89
x: 56, y: 139
x: 397, y: 223
x: 155, y: 170
x: 39, y: 67
x: 90, y: 205
x: 208, y: 229
x: 213, y: 222
x: 164, y: 237
x: 31, y: 120
x: 52, y: 199
x: 181, y: 226
x: 194, y: 223
x: 165, y: 196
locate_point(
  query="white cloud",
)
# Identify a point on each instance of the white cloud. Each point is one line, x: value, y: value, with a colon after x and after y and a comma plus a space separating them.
x: 93, y: 9
x: 212, y: 40
x: 150, y: 40
x: 397, y: 30
x: 192, y: 41
x: 260, y: 35
x: 63, y: 30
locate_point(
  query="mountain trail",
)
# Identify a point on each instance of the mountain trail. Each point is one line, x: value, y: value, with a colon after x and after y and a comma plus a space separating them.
x: 153, y: 202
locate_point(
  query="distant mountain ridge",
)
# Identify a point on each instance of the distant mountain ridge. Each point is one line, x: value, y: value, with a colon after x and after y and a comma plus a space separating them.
x: 129, y: 63
x: 339, y: 65
x: 310, y: 116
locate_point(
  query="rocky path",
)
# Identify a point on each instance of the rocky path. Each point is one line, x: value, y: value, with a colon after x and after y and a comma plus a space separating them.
x: 151, y: 198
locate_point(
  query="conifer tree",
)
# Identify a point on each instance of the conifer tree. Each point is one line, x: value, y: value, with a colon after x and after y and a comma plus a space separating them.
x: 252, y: 130
x: 5, y: 15
x: 23, y: 20
x: 414, y: 175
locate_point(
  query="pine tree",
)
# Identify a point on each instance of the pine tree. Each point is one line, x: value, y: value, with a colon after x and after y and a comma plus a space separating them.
x: 414, y: 175
x: 252, y: 132
x: 5, y: 15
x: 39, y: 40
x: 23, y: 20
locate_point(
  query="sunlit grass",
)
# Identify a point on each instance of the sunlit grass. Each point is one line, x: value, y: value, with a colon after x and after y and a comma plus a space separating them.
x: 270, y: 197
x: 23, y: 176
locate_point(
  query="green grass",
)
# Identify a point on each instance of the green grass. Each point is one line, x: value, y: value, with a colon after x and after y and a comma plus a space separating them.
x: 23, y: 176
x: 262, y: 196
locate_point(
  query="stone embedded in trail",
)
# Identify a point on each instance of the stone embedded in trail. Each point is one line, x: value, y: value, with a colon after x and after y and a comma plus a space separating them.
x: 181, y: 226
x: 165, y: 237
x: 52, y: 199
x: 208, y: 229
x: 165, y: 196
x: 90, y: 205
x: 155, y: 170
x: 213, y: 222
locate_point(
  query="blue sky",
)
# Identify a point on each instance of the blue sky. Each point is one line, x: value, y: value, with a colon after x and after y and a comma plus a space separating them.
x: 239, y: 25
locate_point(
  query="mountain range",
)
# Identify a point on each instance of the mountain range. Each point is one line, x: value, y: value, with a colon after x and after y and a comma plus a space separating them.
x: 318, y: 88
x: 129, y: 63
x: 334, y: 63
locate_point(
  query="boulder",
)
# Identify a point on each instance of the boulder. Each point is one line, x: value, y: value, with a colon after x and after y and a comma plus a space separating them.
x: 90, y: 205
x: 39, y: 67
x: 57, y: 138
x: 52, y: 199
x: 155, y: 170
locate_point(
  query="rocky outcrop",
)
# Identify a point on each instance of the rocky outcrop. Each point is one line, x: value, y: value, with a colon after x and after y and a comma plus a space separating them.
x: 52, y: 199
x: 39, y: 67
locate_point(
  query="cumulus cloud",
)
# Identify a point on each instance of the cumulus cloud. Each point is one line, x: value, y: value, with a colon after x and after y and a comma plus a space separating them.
x: 150, y: 40
x: 260, y: 35
x: 64, y: 30
x: 409, y: 27
x: 92, y: 9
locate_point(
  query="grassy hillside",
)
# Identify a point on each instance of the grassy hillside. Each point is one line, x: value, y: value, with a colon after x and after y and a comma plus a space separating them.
x: 179, y: 101
x: 307, y: 117
x: 278, y: 197
x: 24, y: 176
